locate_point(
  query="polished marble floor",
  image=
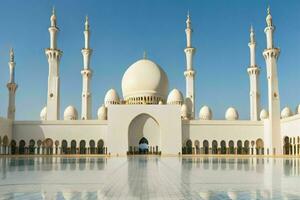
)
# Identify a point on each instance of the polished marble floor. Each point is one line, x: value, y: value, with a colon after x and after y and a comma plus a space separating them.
x: 151, y: 177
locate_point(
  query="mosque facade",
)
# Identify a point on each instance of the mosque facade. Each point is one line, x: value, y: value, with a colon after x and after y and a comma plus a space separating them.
x: 149, y: 117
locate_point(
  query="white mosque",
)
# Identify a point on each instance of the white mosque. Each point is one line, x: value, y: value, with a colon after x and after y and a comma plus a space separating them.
x: 150, y: 117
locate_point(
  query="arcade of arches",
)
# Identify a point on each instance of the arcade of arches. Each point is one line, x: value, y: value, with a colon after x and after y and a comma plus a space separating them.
x: 291, y: 145
x: 222, y: 147
x: 48, y: 147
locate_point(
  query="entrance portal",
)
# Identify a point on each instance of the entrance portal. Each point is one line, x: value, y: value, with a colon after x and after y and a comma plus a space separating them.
x: 143, y: 146
x: 144, y: 135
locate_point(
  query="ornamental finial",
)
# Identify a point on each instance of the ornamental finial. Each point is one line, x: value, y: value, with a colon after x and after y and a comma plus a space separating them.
x: 252, y: 37
x: 145, y: 55
x: 188, y: 20
x: 269, y: 17
x: 87, y: 26
x: 12, y: 55
x: 53, y: 17
x: 53, y: 10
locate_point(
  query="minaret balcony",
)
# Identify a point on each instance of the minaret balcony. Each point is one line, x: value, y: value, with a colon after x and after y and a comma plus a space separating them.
x: 190, y: 50
x: 53, y: 53
x: 189, y: 73
x: 271, y: 53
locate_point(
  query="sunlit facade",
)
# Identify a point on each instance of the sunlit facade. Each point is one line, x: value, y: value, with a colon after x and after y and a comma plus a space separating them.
x: 149, y: 117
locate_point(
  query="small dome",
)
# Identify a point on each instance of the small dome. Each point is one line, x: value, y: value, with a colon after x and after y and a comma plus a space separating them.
x: 264, y: 114
x: 102, y: 113
x: 175, y: 97
x: 70, y: 113
x: 286, y: 112
x: 43, y: 114
x: 297, y: 109
x: 111, y: 97
x: 205, y: 113
x: 184, y: 111
x: 231, y: 114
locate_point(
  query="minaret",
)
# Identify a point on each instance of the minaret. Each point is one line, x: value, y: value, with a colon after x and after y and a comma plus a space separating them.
x: 190, y: 73
x: 12, y: 87
x: 86, y: 105
x: 253, y: 71
x: 273, y: 140
x: 53, y: 54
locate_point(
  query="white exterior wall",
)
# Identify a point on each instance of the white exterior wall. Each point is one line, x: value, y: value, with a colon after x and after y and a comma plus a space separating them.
x: 290, y: 126
x: 167, y: 116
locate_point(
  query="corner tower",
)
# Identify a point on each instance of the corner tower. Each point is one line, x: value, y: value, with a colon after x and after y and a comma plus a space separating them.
x: 86, y: 99
x: 253, y: 71
x: 190, y: 73
x: 53, y: 54
x: 272, y: 135
x: 12, y: 87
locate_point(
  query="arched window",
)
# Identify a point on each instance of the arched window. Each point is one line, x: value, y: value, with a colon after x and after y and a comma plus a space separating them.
x: 73, y: 147
x: 231, y: 147
x: 31, y: 146
x: 214, y: 147
x: 239, y: 147
x: 13, y: 146
x: 22, y: 147
x: 205, y: 147
x: 189, y: 147
x: 92, y: 147
x: 64, y: 147
x: 223, y: 147
x: 259, y: 147
x: 100, y: 147
x: 247, y: 147
x: 197, y: 146
x: 82, y: 148
x: 49, y: 146
x: 286, y: 145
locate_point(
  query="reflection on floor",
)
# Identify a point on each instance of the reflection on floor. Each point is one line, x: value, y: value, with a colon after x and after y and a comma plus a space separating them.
x: 149, y: 177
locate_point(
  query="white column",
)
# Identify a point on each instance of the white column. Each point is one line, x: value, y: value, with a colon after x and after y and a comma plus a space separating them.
x: 190, y: 73
x: 86, y: 101
x: 53, y: 54
x: 12, y: 87
x: 253, y: 71
x: 272, y: 138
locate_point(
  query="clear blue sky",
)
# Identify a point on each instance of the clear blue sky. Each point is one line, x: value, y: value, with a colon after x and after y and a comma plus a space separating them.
x: 122, y: 30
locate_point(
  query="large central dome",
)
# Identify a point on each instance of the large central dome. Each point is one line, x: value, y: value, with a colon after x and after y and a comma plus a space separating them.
x: 144, y: 82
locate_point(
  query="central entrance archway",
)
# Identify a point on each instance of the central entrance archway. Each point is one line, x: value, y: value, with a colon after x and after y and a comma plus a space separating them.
x: 144, y: 135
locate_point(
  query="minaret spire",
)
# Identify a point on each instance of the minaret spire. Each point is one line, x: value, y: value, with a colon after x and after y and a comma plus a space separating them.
x: 253, y: 71
x: 270, y: 29
x: 272, y: 137
x: 86, y: 100
x: 189, y: 73
x: 11, y: 86
x: 54, y: 55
